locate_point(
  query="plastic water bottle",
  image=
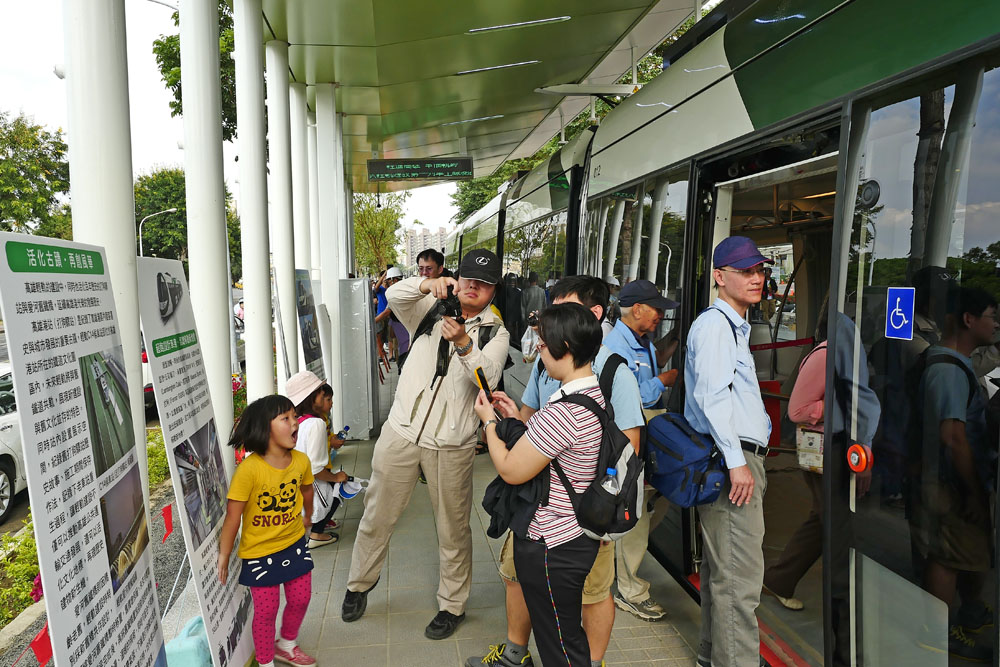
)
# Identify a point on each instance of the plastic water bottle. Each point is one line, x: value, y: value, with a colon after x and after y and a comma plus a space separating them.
x: 343, y: 433
x: 610, y: 482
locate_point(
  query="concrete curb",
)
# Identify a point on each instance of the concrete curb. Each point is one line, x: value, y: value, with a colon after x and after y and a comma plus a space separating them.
x: 24, y: 620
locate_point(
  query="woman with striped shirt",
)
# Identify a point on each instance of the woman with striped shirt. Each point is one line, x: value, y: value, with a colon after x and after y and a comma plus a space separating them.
x: 553, y: 559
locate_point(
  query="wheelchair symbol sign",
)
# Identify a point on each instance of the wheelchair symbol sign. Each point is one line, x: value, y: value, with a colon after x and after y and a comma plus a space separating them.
x: 899, y: 313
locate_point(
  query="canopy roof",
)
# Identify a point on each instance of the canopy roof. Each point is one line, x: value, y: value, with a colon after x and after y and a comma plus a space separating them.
x: 422, y: 79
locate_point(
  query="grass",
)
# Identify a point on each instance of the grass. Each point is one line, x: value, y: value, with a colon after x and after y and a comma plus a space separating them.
x: 18, y: 574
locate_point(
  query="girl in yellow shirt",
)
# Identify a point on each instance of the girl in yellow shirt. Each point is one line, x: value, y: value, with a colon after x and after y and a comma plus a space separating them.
x: 270, y: 489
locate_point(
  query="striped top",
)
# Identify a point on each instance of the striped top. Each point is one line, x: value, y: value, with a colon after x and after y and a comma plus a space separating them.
x: 572, y: 434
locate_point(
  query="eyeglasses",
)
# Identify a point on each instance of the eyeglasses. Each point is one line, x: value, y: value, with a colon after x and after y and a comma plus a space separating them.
x: 746, y: 273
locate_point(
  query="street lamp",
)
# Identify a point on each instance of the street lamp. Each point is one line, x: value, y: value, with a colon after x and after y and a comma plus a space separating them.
x: 151, y: 215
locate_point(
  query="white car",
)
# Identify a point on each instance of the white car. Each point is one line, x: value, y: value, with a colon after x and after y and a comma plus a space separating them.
x: 13, y: 478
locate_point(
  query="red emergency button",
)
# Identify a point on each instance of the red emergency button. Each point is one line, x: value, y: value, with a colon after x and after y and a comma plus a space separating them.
x: 859, y: 458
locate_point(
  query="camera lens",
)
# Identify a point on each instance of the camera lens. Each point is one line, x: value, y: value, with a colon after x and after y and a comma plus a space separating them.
x: 533, y: 320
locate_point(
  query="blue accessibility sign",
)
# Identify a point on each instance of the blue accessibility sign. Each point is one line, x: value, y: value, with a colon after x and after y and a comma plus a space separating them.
x: 899, y: 313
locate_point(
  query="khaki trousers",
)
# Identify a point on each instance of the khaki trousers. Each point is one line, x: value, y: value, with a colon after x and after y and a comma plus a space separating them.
x: 631, y: 549
x: 396, y: 464
x: 732, y: 572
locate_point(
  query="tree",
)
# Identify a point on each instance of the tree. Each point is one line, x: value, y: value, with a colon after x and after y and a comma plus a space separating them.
x: 34, y: 173
x: 59, y: 225
x: 376, y: 229
x: 167, y: 50
x: 166, y: 235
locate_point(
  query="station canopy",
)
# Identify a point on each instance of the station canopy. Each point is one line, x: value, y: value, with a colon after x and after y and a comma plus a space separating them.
x: 452, y: 78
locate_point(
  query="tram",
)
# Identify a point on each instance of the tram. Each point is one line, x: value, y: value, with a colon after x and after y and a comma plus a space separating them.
x: 857, y: 142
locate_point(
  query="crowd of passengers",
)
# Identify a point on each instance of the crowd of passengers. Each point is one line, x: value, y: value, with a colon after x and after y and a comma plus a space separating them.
x: 561, y: 583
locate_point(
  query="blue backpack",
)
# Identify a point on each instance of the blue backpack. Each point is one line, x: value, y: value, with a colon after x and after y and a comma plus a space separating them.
x: 687, y: 467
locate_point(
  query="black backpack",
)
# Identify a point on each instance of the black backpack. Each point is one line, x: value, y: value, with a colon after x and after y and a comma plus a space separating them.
x: 601, y: 514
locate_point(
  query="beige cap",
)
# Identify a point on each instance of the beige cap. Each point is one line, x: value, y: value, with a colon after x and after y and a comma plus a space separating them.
x: 300, y: 385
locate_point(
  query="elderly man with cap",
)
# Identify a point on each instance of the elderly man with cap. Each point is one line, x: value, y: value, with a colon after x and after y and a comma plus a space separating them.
x: 432, y: 426
x: 642, y: 310
x: 722, y: 398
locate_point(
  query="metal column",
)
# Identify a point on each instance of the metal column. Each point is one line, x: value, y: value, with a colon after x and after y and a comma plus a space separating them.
x: 617, y: 216
x: 208, y: 249
x: 342, y: 204
x: 300, y: 176
x: 314, y: 255
x: 282, y: 236
x: 656, y: 226
x: 101, y: 171
x: 248, y: 33
x: 330, y: 204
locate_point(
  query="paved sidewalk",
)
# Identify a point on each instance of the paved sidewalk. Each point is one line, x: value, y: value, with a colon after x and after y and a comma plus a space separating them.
x: 403, y: 603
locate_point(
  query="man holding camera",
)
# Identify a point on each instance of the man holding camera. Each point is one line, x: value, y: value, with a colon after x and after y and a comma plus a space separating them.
x: 432, y: 426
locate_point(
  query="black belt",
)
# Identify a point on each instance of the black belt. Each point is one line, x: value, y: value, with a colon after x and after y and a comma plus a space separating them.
x: 753, y: 448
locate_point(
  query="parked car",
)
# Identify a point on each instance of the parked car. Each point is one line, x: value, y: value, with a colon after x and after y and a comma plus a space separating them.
x: 13, y: 478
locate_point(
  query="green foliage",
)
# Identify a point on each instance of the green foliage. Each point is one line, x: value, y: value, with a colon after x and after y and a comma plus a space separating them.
x: 239, y: 402
x: 166, y: 235
x: 34, y: 173
x: 156, y: 454
x: 376, y: 229
x: 167, y: 50
x: 59, y: 225
x: 18, y: 574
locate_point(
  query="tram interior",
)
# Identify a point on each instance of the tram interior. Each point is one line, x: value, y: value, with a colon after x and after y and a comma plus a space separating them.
x: 788, y: 212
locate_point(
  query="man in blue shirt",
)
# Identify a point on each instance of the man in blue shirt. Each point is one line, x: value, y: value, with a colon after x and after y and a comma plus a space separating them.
x: 642, y: 310
x: 598, y: 609
x: 722, y: 398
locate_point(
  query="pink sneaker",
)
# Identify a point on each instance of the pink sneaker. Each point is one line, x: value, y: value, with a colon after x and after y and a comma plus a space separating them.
x: 296, y: 658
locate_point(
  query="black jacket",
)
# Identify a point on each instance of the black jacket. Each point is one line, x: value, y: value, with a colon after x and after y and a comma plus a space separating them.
x: 513, y: 505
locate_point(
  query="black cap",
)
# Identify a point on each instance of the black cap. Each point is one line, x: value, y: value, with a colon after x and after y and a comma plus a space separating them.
x: 643, y: 291
x: 480, y: 265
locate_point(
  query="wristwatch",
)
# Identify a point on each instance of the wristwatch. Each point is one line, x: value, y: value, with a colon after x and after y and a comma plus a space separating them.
x: 492, y: 421
x: 464, y: 350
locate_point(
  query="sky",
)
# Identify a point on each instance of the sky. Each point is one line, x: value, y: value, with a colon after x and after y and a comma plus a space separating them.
x: 33, y: 46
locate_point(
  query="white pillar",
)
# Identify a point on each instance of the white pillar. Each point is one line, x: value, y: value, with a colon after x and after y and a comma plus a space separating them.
x: 300, y: 176
x: 100, y: 167
x: 248, y: 33
x: 314, y: 261
x: 637, y: 211
x: 282, y: 236
x: 208, y: 249
x: 343, y: 253
x: 329, y: 235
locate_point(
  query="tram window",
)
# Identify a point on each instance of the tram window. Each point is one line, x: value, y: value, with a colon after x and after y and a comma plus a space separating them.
x: 925, y: 217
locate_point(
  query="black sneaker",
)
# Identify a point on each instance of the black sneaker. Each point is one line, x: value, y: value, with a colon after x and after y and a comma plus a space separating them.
x: 443, y: 625
x: 975, y: 618
x: 963, y: 646
x: 497, y: 658
x: 354, y: 606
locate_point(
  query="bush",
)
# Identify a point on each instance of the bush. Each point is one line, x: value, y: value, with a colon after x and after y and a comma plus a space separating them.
x: 156, y: 452
x: 18, y: 574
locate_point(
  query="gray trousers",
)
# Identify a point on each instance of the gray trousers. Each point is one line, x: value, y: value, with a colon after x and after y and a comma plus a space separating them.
x: 732, y: 571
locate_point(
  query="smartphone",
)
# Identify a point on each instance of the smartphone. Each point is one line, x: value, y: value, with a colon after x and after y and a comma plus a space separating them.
x: 483, y: 384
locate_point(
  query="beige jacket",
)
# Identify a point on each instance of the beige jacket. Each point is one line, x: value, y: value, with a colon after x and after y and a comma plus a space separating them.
x: 453, y: 422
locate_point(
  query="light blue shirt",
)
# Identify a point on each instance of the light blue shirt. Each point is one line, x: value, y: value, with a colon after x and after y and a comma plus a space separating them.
x: 624, y: 391
x: 641, y: 361
x: 714, y: 363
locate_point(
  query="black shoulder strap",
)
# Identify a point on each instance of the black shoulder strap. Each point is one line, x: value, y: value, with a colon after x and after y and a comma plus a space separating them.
x: 486, y: 333
x: 948, y: 359
x: 728, y: 321
x: 607, y: 378
x: 604, y: 414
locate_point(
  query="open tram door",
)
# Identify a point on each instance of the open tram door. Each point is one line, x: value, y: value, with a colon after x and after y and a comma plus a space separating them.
x: 781, y: 194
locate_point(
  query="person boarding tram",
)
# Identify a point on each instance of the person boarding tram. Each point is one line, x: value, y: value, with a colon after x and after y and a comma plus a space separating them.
x: 722, y: 398
x: 642, y: 310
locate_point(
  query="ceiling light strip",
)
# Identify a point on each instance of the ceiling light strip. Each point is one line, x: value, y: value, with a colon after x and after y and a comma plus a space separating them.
x: 472, y: 120
x: 487, y: 69
x: 521, y: 24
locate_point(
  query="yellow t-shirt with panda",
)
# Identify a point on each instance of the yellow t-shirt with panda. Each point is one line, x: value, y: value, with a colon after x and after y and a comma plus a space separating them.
x: 272, y: 516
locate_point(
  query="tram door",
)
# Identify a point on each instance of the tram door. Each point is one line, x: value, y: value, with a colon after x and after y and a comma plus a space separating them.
x: 788, y: 210
x: 912, y: 539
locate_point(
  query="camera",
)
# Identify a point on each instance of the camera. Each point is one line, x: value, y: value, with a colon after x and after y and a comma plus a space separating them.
x: 533, y: 320
x: 450, y: 305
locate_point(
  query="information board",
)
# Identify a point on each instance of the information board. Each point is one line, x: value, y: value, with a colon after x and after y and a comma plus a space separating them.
x: 194, y: 452
x: 455, y: 168
x: 305, y: 307
x: 91, y: 524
